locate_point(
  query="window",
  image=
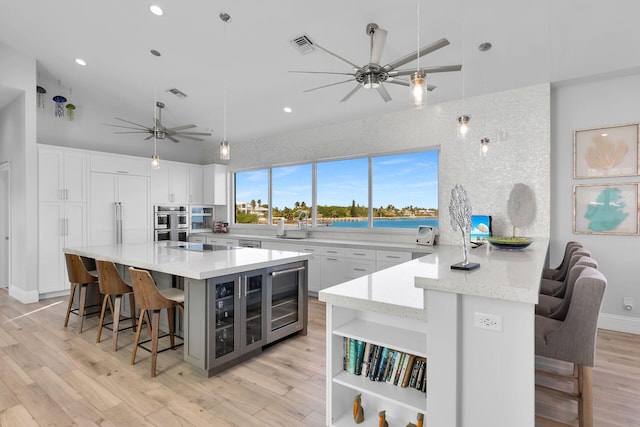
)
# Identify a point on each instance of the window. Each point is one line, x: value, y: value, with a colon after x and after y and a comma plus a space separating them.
x: 343, y: 193
x: 403, y: 190
x: 290, y: 192
x: 252, y: 197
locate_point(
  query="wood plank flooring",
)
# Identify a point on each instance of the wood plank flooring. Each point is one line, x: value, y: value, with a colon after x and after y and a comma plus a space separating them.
x: 51, y: 376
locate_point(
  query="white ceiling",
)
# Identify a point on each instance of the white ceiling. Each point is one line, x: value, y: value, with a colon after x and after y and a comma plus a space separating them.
x: 533, y: 42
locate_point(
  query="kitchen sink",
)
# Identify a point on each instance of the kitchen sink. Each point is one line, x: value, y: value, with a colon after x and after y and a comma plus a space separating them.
x: 294, y: 234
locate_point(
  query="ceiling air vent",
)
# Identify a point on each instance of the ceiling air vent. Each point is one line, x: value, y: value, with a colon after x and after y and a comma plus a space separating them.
x: 303, y: 44
x: 180, y: 94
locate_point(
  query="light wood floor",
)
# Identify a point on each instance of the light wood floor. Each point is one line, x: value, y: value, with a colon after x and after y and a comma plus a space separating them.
x: 51, y: 376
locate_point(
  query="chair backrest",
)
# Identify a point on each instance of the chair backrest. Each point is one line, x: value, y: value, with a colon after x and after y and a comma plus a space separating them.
x: 575, y: 257
x: 109, y: 279
x: 575, y: 340
x: 145, y: 291
x: 77, y: 271
x: 560, y: 312
x: 563, y: 269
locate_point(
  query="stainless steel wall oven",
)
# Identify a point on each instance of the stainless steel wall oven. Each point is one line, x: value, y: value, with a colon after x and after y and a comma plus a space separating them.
x: 171, y: 223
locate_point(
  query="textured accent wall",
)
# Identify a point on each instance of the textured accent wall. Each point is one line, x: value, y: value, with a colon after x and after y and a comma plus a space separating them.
x: 516, y: 121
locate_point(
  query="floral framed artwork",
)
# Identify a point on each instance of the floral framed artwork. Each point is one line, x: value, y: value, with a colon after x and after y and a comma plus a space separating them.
x: 606, y: 209
x: 606, y: 151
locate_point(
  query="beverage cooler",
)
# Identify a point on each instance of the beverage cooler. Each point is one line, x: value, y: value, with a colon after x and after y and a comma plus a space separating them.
x: 201, y: 219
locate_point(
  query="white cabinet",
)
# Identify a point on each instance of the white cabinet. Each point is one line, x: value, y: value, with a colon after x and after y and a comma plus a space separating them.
x: 196, y: 185
x: 359, y: 262
x: 132, y: 192
x: 386, y: 259
x: 219, y: 185
x: 114, y: 163
x: 62, y: 175
x: 397, y: 333
x: 208, y: 182
x: 170, y: 184
x: 194, y: 238
x: 222, y: 241
x: 60, y: 225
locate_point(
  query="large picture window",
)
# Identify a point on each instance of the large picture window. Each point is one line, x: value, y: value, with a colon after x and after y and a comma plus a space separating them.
x: 403, y: 189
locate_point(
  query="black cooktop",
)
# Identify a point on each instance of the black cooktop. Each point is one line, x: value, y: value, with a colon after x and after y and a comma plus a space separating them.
x: 202, y: 247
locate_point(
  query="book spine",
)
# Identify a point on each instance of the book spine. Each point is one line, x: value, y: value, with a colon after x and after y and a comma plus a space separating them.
x: 353, y: 349
x: 373, y: 368
x: 365, y: 358
x: 383, y: 362
x: 345, y: 353
x: 408, y: 371
x: 397, y: 356
x: 414, y: 373
x: 388, y: 366
x: 421, y: 370
x: 359, y: 355
x: 402, y: 366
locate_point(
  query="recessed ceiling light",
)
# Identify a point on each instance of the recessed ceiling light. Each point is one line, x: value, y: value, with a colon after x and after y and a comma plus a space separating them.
x: 155, y: 52
x: 156, y: 10
x: 80, y: 61
x: 288, y: 109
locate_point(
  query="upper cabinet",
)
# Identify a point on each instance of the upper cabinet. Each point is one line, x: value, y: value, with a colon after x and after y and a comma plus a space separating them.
x: 195, y: 185
x: 214, y: 187
x: 62, y: 175
x: 170, y: 184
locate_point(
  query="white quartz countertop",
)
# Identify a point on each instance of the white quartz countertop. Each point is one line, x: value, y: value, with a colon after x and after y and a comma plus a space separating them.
x: 166, y: 257
x: 507, y: 275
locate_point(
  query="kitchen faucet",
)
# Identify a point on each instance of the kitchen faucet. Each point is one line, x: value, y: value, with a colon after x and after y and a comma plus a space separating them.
x: 302, y: 222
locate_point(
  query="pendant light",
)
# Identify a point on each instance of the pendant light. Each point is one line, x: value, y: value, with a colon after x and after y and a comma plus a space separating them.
x: 484, y: 47
x: 418, y: 86
x: 224, y: 145
x: 485, y: 146
x: 463, y: 119
x: 155, y: 160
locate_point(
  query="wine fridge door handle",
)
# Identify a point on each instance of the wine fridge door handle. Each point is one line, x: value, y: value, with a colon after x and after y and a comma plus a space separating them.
x: 239, y: 287
x: 245, y: 285
x: 290, y: 270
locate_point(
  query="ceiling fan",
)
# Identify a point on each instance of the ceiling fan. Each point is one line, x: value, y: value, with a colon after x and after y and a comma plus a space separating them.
x: 372, y: 75
x: 160, y: 131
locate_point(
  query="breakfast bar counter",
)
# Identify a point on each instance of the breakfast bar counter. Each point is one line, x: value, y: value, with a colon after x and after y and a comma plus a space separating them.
x: 475, y: 329
x: 237, y: 299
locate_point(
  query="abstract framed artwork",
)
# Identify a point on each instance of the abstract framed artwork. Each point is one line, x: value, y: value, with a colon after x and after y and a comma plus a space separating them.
x: 606, y: 152
x: 606, y: 209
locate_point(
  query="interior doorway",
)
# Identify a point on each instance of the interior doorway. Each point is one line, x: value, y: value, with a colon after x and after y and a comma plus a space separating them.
x: 5, y: 225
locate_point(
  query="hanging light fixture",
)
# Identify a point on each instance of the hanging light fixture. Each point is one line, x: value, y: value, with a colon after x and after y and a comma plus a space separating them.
x: 224, y: 145
x: 155, y: 160
x: 463, y: 124
x: 418, y: 85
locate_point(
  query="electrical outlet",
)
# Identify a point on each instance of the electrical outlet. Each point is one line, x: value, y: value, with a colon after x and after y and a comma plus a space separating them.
x: 627, y: 302
x: 492, y: 322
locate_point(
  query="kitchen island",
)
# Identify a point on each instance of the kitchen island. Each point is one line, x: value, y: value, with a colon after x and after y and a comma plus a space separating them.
x: 475, y: 329
x: 236, y: 299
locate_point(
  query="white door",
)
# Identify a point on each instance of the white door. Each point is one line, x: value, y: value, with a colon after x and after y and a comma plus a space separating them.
x: 133, y: 193
x: 5, y: 224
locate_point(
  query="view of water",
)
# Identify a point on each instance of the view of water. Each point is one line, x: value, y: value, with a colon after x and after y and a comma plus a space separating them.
x: 389, y: 223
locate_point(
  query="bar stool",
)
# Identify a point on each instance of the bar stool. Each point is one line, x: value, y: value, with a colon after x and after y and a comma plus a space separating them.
x: 111, y: 284
x: 79, y: 276
x: 573, y: 340
x: 560, y: 271
x: 150, y: 298
x: 557, y: 288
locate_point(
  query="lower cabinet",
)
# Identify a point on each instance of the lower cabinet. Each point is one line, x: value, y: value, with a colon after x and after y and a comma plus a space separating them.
x: 222, y: 241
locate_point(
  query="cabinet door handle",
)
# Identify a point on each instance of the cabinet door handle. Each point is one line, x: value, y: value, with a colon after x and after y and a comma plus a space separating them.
x: 332, y: 252
x: 393, y: 257
x: 239, y: 287
x: 61, y: 227
x: 332, y: 259
x: 245, y: 285
x: 359, y: 269
x: 358, y: 254
x: 290, y: 270
x: 60, y: 194
x: 66, y: 226
x: 66, y: 194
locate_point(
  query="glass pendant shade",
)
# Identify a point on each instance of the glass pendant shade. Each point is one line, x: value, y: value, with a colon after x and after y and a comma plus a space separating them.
x: 224, y: 150
x: 463, y: 125
x: 418, y: 91
x: 155, y: 162
x: 485, y: 146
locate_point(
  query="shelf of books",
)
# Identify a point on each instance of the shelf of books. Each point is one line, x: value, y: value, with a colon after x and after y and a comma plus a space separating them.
x: 383, y: 362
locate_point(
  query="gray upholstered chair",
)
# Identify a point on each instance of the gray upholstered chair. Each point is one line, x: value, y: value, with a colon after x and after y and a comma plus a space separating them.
x: 557, y: 288
x: 556, y: 307
x: 560, y: 272
x: 572, y: 340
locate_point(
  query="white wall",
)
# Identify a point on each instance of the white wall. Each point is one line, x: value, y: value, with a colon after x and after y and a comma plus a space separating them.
x: 583, y: 105
x: 18, y: 146
x: 522, y: 116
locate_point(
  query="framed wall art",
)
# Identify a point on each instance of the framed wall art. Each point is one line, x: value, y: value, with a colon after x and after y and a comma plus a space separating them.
x: 606, y: 209
x: 606, y: 152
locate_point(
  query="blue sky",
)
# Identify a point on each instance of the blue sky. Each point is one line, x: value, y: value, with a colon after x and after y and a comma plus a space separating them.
x: 400, y: 180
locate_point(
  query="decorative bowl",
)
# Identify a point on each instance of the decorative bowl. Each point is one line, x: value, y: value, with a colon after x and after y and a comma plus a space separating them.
x: 510, y: 243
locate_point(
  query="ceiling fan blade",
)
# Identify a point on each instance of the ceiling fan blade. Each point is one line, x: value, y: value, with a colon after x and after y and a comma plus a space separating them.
x: 172, y: 138
x: 414, y: 55
x: 188, y: 137
x: 384, y: 94
x: 431, y: 87
x: 332, y: 84
x: 133, y: 123
x: 356, y: 67
x: 191, y: 133
x: 322, y: 72
x: 128, y: 127
x: 140, y: 131
x: 426, y: 70
x: 149, y: 137
x: 181, y: 127
x: 354, y: 90
x: 378, y: 38
x: 398, y: 82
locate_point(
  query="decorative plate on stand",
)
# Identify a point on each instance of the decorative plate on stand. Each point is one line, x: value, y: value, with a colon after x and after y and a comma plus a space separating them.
x: 510, y: 243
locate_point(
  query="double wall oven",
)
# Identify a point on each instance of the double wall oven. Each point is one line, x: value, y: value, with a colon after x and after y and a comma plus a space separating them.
x: 171, y: 223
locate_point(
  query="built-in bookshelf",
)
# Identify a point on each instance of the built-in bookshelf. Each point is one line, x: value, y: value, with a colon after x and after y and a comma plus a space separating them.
x: 377, y: 373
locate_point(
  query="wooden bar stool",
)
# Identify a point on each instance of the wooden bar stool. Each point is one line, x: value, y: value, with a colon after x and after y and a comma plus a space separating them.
x: 150, y: 298
x: 79, y: 276
x: 112, y: 285
x: 572, y: 340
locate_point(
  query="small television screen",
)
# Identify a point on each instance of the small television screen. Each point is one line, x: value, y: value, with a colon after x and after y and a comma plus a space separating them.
x: 480, y: 227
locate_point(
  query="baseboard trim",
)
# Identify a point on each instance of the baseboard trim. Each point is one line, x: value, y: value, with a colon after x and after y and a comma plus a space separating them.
x: 617, y: 323
x: 25, y: 297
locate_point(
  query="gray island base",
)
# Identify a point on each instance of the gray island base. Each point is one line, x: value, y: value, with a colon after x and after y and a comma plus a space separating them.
x: 237, y: 300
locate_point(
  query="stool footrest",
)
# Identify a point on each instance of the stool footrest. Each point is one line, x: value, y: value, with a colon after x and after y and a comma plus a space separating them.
x: 140, y: 343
